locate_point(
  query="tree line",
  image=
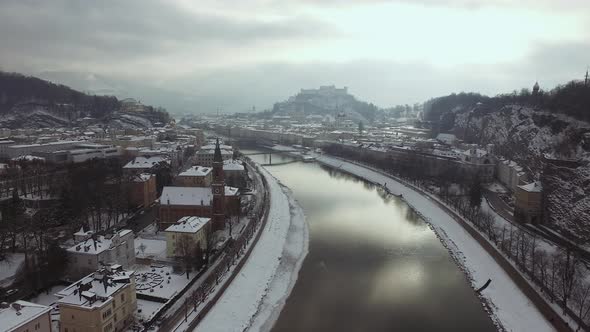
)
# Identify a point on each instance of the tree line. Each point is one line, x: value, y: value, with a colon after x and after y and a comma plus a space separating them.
x: 572, y: 98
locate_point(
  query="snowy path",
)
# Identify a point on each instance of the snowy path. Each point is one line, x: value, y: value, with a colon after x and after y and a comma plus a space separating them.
x: 255, y: 297
x: 510, y: 306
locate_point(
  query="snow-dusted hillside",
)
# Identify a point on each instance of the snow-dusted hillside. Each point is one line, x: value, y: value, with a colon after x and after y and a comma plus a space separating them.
x: 523, y: 134
x: 33, y: 115
x: 527, y: 136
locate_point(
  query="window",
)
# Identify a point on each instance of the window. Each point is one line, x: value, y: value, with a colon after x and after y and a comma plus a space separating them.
x: 122, y: 297
x: 89, y: 261
x: 114, y: 302
x: 107, y: 313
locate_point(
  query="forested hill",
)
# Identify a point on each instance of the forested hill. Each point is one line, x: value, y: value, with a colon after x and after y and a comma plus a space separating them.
x: 532, y: 130
x: 27, y: 101
x: 572, y: 99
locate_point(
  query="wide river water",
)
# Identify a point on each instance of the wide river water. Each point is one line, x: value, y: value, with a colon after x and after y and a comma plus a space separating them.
x: 373, y: 264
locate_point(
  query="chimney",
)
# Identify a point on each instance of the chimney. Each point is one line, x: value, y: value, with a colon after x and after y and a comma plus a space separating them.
x: 105, y: 282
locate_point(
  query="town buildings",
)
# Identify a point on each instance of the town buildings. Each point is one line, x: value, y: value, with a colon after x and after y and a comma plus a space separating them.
x: 142, y: 190
x: 95, y: 252
x: 196, y: 176
x: 22, y: 316
x: 204, y: 157
x: 234, y: 173
x: 188, y: 234
x: 103, y: 301
x: 178, y: 202
x: 216, y: 201
x: 528, y: 206
x: 144, y: 164
x: 510, y: 174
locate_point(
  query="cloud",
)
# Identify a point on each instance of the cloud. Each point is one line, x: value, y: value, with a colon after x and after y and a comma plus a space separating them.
x: 560, y: 5
x: 70, y: 32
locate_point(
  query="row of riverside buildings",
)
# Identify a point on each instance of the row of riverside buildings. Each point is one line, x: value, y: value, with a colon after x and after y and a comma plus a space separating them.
x: 410, y: 146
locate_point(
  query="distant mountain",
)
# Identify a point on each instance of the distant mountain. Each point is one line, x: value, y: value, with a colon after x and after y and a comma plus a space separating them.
x: 30, y: 102
x: 173, y: 100
x: 327, y: 100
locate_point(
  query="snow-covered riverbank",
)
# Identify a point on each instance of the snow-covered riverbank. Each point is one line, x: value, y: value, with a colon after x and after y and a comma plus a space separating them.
x: 255, y: 297
x: 510, y: 307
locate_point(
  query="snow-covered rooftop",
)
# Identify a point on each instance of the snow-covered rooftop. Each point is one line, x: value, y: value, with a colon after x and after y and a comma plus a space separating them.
x: 95, y: 247
x: 533, y: 187
x: 191, y: 195
x: 186, y: 196
x: 232, y: 165
x: 28, y: 158
x: 142, y: 177
x: 212, y: 147
x: 11, y: 318
x: 446, y: 138
x: 475, y: 152
x: 93, y: 290
x: 212, y: 151
x: 188, y: 225
x: 196, y: 171
x: 145, y: 162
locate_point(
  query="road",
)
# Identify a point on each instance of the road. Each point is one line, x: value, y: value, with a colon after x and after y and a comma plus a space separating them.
x: 142, y: 219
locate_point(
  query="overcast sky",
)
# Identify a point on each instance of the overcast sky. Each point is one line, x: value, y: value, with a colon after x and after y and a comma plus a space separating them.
x: 235, y: 54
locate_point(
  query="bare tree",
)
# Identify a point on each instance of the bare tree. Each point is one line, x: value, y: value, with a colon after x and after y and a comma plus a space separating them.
x: 581, y: 299
x: 542, y: 263
x: 568, y: 275
x: 185, y: 250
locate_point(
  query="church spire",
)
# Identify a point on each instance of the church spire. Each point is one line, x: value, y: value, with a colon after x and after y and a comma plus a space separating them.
x: 217, y: 153
x: 586, y: 79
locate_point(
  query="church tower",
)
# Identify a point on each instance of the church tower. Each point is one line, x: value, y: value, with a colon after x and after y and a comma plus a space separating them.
x: 218, y: 188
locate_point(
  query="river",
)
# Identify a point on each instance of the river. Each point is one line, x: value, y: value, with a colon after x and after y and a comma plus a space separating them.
x: 373, y: 264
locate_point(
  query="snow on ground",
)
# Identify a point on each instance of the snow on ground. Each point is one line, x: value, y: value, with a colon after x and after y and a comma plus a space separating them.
x: 48, y: 297
x: 509, y: 305
x: 148, y: 309
x: 496, y: 187
x: 257, y: 294
x: 284, y: 280
x: 9, y: 267
x: 158, y: 281
x: 149, y: 248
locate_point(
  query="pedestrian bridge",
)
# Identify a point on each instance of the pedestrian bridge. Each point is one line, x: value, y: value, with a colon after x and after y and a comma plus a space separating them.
x: 270, y: 152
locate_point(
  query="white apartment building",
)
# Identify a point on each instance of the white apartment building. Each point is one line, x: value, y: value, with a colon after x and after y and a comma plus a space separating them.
x: 98, y: 251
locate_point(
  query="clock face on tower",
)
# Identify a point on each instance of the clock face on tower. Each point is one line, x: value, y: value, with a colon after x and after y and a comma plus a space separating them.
x: 217, y: 191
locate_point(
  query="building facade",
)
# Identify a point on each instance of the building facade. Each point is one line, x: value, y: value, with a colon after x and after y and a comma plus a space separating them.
x: 142, y: 190
x: 22, y: 316
x: 528, y: 205
x: 193, y: 230
x: 178, y: 202
x: 98, y: 251
x: 103, y: 301
x: 196, y: 176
